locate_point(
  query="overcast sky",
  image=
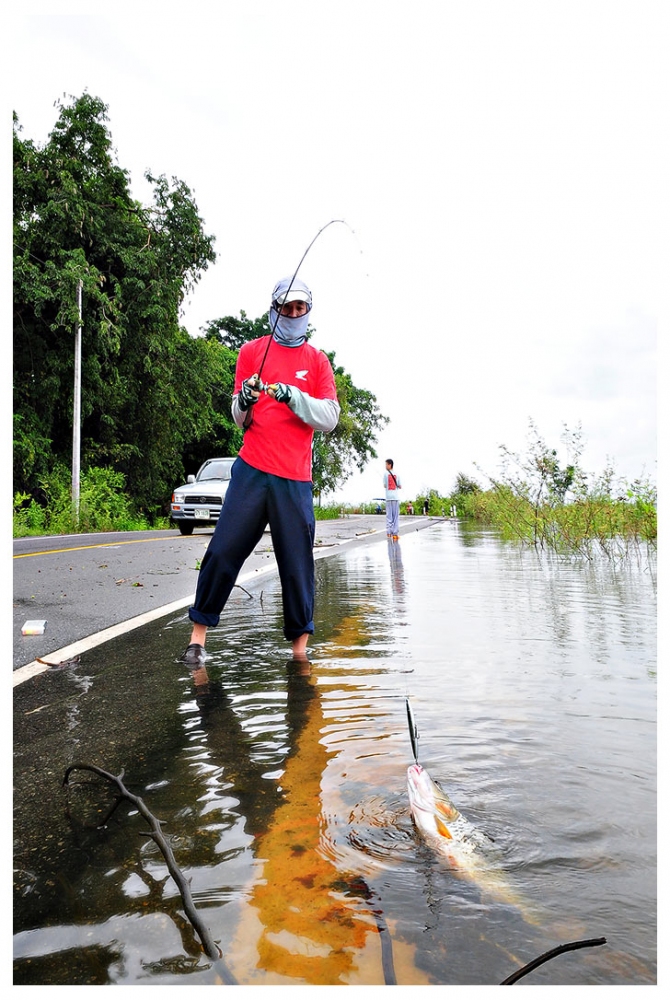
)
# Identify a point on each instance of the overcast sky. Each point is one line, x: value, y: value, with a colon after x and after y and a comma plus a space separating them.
x: 501, y: 168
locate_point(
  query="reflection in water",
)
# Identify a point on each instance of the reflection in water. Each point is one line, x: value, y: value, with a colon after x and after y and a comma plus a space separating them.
x: 283, y: 786
x: 397, y: 574
x: 306, y: 921
x: 309, y: 918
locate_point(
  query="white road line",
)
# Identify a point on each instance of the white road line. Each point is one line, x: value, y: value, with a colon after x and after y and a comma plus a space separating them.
x: 34, y: 668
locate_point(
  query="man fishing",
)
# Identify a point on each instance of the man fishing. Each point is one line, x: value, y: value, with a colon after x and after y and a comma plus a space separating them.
x: 391, y: 486
x: 271, y: 479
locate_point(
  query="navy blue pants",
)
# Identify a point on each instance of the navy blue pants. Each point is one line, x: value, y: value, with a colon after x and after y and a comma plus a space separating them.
x: 255, y: 499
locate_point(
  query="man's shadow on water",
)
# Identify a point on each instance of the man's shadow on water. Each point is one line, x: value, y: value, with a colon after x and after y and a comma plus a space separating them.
x: 300, y: 895
x: 232, y: 746
x: 397, y: 569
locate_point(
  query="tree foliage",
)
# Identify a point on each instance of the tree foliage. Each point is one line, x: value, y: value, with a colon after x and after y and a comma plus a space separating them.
x: 142, y: 375
x: 155, y: 401
x: 465, y: 484
x: 233, y: 332
x: 351, y: 445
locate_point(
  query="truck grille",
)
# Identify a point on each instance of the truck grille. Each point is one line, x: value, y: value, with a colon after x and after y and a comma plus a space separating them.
x: 205, y: 501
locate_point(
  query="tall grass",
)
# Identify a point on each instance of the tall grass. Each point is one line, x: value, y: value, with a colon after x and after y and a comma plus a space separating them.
x: 582, y: 525
x: 329, y: 512
x: 537, y: 501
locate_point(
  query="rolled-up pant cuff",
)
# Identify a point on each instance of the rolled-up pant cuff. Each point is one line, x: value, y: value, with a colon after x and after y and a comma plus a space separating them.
x: 291, y: 634
x: 211, y: 621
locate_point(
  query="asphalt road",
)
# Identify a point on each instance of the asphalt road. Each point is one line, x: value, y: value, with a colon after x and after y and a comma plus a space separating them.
x: 91, y: 587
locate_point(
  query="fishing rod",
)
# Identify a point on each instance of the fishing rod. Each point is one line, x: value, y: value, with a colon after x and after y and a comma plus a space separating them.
x: 295, y: 275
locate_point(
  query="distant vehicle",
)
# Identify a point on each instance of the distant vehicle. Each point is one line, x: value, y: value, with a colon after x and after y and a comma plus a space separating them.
x: 200, y: 500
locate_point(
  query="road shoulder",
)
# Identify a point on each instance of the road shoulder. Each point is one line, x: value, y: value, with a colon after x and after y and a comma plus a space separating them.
x: 331, y: 537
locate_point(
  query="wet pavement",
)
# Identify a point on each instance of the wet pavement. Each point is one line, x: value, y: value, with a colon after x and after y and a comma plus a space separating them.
x: 281, y: 786
x: 92, y: 588
x: 116, y: 637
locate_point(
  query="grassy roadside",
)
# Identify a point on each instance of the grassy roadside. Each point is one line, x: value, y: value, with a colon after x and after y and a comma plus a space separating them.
x: 535, y: 500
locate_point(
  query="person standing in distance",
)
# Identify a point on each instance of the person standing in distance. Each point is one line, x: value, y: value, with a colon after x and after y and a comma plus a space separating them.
x: 391, y: 486
x: 271, y: 480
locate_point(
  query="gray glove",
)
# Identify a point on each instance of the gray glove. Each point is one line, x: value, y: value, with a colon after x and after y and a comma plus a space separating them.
x: 282, y: 392
x: 249, y: 392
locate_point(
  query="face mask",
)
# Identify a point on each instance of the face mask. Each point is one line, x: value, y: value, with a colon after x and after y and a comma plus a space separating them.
x: 289, y: 332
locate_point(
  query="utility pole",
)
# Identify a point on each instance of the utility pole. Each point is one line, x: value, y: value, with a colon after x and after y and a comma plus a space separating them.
x: 76, y: 413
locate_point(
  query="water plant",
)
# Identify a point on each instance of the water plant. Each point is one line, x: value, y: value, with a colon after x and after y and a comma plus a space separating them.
x: 553, y: 504
x: 538, y: 500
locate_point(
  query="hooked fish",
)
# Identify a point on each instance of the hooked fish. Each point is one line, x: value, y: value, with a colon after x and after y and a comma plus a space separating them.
x: 435, y: 816
x: 440, y: 823
x: 452, y: 836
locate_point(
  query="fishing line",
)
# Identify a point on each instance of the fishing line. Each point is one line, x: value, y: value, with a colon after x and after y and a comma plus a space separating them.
x: 295, y: 275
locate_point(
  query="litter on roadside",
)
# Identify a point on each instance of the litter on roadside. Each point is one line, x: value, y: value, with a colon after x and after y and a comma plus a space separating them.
x: 34, y: 627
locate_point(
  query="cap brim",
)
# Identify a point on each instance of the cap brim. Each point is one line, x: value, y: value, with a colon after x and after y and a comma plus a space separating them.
x: 293, y: 296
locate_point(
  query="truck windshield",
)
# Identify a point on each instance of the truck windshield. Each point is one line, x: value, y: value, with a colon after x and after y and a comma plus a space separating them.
x: 217, y: 470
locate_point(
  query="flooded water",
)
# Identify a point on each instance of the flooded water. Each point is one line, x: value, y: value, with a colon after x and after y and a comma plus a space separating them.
x: 283, y: 787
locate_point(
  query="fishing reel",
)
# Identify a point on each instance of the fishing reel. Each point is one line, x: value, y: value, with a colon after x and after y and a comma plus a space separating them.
x: 259, y: 386
x: 277, y: 390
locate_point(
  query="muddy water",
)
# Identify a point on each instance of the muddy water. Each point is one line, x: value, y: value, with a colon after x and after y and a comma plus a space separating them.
x: 283, y: 789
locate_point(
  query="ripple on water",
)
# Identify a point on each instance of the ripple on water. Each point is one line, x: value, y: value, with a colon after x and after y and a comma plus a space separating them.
x: 284, y: 793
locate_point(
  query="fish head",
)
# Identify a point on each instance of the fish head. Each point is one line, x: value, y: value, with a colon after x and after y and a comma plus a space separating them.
x: 431, y: 808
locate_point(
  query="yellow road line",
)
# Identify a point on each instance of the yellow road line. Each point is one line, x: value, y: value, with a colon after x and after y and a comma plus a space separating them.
x: 98, y: 545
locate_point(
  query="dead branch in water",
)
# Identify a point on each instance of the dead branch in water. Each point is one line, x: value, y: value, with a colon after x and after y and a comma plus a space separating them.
x: 560, y: 950
x: 210, y: 948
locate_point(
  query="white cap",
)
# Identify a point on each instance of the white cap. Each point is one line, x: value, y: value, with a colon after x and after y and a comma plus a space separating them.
x: 291, y: 290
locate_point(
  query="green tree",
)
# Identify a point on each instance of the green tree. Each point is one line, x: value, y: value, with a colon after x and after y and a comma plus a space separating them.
x: 211, y: 374
x: 76, y: 221
x: 233, y: 332
x: 465, y: 484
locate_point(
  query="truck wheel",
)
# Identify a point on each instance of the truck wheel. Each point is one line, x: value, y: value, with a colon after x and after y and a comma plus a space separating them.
x: 185, y: 528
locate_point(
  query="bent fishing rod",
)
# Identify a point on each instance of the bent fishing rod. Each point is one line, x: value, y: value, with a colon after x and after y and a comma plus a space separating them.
x: 260, y: 386
x: 295, y: 275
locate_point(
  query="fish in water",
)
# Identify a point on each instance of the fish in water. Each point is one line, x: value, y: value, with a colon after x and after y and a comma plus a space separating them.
x: 440, y: 823
x: 435, y: 816
x: 466, y: 849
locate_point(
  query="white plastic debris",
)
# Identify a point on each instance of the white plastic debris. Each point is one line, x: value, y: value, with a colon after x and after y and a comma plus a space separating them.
x: 34, y: 627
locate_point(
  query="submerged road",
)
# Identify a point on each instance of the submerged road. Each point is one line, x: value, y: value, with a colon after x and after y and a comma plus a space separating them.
x: 91, y: 588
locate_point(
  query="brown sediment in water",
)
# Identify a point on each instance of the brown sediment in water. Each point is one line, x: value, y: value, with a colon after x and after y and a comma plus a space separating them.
x: 308, y: 920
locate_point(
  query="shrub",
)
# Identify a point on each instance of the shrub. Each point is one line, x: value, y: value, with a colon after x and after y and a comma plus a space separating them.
x: 330, y: 512
x: 103, y: 505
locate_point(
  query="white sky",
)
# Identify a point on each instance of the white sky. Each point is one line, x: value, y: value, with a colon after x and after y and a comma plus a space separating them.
x: 503, y: 167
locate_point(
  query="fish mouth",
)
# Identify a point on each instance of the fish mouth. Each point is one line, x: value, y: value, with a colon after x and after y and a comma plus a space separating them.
x: 415, y: 775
